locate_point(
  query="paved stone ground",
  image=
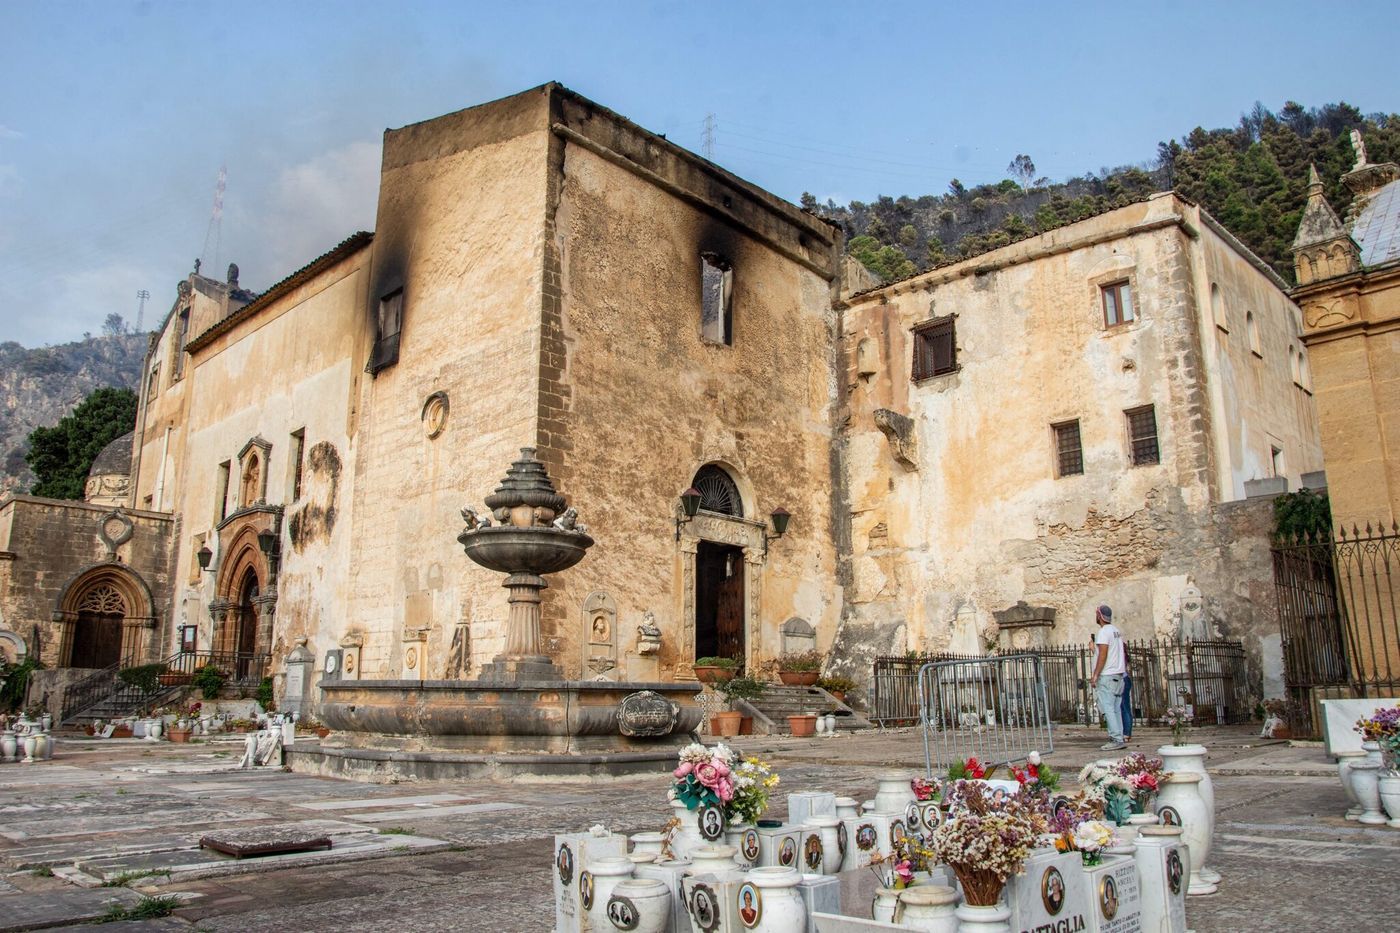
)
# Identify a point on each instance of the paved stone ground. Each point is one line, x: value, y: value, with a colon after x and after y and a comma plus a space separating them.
x: 475, y: 856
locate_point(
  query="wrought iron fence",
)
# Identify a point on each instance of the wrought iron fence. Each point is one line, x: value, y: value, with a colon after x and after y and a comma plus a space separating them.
x: 1338, y: 615
x: 1207, y: 677
x: 107, y: 689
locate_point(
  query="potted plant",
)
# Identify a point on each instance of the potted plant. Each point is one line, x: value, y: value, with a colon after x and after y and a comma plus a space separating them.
x: 169, y: 678
x: 800, y: 669
x: 314, y: 725
x: 736, y: 688
x: 210, y: 680
x: 712, y: 670
x: 837, y: 686
x: 804, y: 724
x: 243, y: 724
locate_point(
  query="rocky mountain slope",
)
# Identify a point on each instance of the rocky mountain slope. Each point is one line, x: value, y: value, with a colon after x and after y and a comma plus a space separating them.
x: 40, y: 386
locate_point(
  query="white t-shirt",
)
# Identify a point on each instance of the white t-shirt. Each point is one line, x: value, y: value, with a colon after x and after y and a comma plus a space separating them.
x: 1117, y: 660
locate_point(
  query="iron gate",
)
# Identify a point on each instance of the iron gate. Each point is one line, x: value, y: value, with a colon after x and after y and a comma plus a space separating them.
x: 993, y: 709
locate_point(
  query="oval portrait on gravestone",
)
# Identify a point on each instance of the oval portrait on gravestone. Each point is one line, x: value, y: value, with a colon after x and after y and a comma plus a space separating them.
x: 812, y: 851
x: 750, y: 903
x: 1108, y: 897
x: 585, y: 889
x: 787, y: 852
x: 622, y: 913
x: 1175, y: 871
x: 897, y: 833
x: 711, y: 821
x: 911, y: 815
x: 865, y: 837
x: 564, y: 861
x: 704, y: 908
x: 750, y: 845
x: 1052, y: 891
x: 1169, y: 816
x: 841, y: 841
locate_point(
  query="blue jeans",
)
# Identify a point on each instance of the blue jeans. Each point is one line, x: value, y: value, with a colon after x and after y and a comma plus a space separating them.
x: 1109, y: 696
x: 1127, y: 706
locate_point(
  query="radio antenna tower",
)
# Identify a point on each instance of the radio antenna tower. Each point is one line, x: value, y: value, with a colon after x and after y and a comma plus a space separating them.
x: 216, y: 218
x: 707, y: 144
x: 143, y: 294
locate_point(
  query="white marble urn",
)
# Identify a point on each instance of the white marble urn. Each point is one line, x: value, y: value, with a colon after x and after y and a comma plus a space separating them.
x: 1179, y: 803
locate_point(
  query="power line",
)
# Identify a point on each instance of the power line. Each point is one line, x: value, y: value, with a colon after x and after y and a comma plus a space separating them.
x: 143, y: 294
x: 707, y: 146
x: 216, y: 218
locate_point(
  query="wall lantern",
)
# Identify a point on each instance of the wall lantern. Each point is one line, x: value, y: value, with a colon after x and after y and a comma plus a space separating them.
x: 204, y: 556
x: 690, y: 504
x: 267, y: 542
x: 781, y: 517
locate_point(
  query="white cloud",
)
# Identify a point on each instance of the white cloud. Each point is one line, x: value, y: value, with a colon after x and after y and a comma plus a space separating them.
x: 9, y: 133
x: 313, y: 206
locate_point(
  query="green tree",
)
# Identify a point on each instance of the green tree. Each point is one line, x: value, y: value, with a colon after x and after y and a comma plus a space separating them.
x: 888, y: 262
x: 61, y: 456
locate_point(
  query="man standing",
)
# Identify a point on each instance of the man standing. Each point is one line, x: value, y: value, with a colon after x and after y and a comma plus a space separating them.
x: 1110, y: 667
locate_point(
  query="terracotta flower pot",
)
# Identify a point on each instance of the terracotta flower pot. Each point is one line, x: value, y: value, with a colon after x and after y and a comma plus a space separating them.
x: 799, y: 678
x: 726, y: 723
x: 121, y: 732
x: 174, y: 679
x: 322, y: 732
x: 179, y: 735
x: 714, y: 675
x: 746, y: 725
x: 839, y: 695
x: 802, y: 725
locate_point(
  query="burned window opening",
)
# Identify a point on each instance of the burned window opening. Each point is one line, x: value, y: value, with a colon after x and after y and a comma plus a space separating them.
x: 716, y: 299
x: 388, y: 324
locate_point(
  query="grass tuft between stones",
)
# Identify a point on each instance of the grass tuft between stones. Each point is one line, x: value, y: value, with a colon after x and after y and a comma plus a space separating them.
x: 126, y: 877
x: 43, y: 871
x: 148, y: 908
x: 397, y: 831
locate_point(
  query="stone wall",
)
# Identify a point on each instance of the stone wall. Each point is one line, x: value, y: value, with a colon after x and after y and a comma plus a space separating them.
x: 46, y: 545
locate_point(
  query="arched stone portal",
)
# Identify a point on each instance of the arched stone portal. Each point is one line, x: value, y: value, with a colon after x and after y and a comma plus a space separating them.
x: 106, y: 617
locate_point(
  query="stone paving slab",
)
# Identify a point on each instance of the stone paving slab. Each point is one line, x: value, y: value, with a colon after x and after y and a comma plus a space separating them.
x: 60, y: 906
x: 428, y: 812
x: 422, y: 799
x: 154, y: 818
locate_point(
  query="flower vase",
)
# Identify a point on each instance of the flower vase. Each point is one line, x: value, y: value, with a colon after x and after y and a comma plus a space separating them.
x: 712, y: 860
x: 833, y: 848
x: 30, y: 741
x: 893, y: 792
x: 641, y: 905
x: 1345, y: 759
x: 1193, y: 758
x: 1389, y: 788
x: 781, y: 909
x: 648, y: 844
x: 596, y: 883
x: 847, y: 808
x: 8, y: 745
x: 1365, y: 780
x: 1179, y: 803
x: 931, y: 908
x: 47, y: 722
x: 883, y: 907
x: 154, y: 729
x: 41, y: 748
x: 976, y: 919
x: 687, y: 838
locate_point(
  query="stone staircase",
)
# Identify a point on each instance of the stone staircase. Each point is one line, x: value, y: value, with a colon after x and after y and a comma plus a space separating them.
x: 770, y: 711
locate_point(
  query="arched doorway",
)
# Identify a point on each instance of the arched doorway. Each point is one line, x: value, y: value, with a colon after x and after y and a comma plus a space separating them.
x: 107, y: 618
x: 719, y: 572
x: 97, y: 634
x: 247, y: 625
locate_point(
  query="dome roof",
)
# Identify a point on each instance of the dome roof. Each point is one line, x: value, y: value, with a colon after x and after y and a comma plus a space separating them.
x: 115, y: 458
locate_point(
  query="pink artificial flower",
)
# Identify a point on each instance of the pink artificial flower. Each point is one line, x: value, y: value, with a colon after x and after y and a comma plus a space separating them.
x: 905, y: 871
x: 721, y: 767
x: 725, y: 790
x: 685, y: 768
x: 708, y: 774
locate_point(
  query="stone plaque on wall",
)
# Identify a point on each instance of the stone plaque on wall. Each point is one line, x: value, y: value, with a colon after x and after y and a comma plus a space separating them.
x: 646, y: 714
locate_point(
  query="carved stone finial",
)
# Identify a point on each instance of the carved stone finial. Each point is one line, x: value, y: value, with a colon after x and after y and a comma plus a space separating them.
x: 233, y: 275
x: 196, y: 266
x: 1358, y: 146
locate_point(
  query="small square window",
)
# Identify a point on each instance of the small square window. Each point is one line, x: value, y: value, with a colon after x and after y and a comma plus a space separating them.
x: 1117, y: 303
x: 716, y: 299
x: 1069, y: 451
x: 935, y: 348
x: 1142, y: 435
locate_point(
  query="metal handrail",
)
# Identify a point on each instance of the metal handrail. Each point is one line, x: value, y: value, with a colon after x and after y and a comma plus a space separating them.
x: 106, y: 685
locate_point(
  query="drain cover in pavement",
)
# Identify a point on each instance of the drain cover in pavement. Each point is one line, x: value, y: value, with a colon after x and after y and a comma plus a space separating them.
x: 269, y: 840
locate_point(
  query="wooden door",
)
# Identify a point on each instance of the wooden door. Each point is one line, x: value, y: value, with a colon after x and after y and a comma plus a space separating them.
x: 729, y: 613
x: 97, y: 640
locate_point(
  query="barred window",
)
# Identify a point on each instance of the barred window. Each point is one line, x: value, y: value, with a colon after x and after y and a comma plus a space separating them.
x: 1069, y: 451
x: 1117, y: 303
x: 935, y: 348
x: 1142, y: 435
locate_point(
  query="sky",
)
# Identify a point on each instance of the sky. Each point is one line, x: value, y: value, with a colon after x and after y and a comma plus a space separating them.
x: 117, y: 116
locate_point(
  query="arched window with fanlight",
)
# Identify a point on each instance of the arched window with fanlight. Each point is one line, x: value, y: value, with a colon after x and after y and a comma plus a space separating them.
x: 718, y: 491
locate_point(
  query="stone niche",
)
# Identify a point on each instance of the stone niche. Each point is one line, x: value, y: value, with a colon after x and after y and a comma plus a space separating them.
x: 1024, y: 626
x: 798, y: 636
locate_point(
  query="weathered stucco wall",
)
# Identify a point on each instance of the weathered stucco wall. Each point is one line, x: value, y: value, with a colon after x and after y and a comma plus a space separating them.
x: 645, y: 401
x: 287, y: 368
x: 984, y: 521
x: 460, y: 230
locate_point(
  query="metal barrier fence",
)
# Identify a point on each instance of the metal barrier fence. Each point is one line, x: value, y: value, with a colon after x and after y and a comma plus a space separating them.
x: 1207, y: 677
x: 1338, y: 614
x: 992, y: 709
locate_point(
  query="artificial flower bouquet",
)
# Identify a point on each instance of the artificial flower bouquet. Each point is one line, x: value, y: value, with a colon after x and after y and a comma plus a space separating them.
x: 1178, y: 718
x: 704, y: 776
x: 924, y: 789
x: 900, y: 870
x: 1145, y: 776
x: 986, y: 841
x: 752, y: 780
x: 1089, y: 838
x: 1383, y: 728
x: 1036, y: 776
x: 970, y: 770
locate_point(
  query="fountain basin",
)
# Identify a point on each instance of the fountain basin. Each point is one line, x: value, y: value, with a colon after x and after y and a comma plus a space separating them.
x: 442, y: 729
x: 534, y: 550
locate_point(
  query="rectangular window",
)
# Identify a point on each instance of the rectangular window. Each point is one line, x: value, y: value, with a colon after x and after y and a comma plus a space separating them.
x: 716, y: 299
x: 153, y: 383
x: 935, y: 348
x: 182, y: 337
x: 221, y: 505
x: 189, y: 638
x: 1069, y: 451
x: 297, y: 454
x: 388, y: 323
x: 1276, y: 461
x: 1142, y: 435
x: 1117, y: 303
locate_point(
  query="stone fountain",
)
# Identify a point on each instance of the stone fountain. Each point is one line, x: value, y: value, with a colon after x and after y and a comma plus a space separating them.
x: 520, y: 715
